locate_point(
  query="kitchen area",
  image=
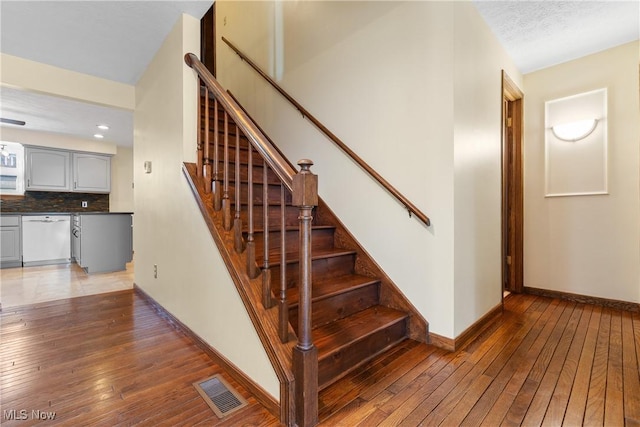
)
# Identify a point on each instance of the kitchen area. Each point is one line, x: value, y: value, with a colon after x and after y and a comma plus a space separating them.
x: 58, y: 236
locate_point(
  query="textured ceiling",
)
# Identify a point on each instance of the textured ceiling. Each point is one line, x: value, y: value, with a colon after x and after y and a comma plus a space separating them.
x: 116, y: 40
x: 539, y: 34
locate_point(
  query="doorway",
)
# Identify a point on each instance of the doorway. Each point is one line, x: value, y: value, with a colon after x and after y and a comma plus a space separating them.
x: 208, y: 39
x: 512, y: 187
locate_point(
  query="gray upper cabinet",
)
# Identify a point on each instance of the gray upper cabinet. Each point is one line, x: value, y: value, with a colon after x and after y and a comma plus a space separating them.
x: 91, y: 173
x: 48, y: 170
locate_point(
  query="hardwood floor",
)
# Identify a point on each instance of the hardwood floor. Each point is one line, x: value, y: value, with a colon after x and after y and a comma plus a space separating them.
x: 545, y: 362
x: 106, y: 359
x: 111, y: 360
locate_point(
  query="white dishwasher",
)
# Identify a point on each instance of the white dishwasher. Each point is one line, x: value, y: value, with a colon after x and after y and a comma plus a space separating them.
x: 46, y: 239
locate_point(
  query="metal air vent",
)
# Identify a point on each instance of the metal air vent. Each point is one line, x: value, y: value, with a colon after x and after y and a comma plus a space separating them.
x: 220, y: 396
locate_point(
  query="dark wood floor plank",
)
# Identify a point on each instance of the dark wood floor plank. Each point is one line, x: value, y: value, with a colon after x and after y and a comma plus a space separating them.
x: 594, y: 413
x: 498, y: 398
x: 574, y: 414
x: 552, y: 373
x: 525, y: 396
x: 631, y: 375
x: 503, y: 340
x: 558, y: 404
x: 614, y: 402
x: 411, y: 396
x: 469, y: 390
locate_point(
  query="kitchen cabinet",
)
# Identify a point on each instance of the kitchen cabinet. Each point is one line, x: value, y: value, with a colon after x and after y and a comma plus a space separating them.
x: 10, y: 241
x: 47, y: 169
x: 102, y: 242
x: 91, y: 173
x: 50, y: 169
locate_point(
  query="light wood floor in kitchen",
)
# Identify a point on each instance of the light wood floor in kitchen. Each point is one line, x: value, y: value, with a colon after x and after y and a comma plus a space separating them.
x: 30, y: 285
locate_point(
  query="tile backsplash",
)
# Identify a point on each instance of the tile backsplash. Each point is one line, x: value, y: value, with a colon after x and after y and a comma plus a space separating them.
x: 48, y: 201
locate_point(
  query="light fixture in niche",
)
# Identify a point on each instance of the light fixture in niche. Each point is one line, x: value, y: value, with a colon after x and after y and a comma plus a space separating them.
x: 99, y: 136
x: 103, y: 127
x: 574, y: 131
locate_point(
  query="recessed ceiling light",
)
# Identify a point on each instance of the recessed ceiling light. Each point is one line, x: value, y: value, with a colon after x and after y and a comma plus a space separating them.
x: 99, y: 136
x: 103, y: 127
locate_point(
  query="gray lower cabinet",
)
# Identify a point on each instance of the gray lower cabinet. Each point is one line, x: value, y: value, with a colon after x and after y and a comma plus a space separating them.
x: 10, y: 241
x: 102, y: 242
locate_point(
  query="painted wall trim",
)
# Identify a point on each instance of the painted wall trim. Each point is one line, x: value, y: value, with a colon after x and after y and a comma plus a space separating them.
x: 453, y: 344
x: 585, y: 299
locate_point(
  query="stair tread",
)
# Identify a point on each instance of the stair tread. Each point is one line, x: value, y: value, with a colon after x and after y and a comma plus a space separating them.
x: 323, y: 288
x: 334, y: 336
x: 276, y: 228
x: 274, y: 258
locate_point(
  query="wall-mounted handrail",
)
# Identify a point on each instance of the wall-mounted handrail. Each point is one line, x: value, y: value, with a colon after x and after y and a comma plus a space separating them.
x: 276, y: 162
x: 413, y: 210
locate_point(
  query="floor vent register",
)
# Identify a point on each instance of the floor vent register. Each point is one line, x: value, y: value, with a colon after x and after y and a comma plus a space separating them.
x: 220, y: 396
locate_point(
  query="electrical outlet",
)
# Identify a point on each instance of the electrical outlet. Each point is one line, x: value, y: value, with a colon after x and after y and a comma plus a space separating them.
x: 155, y: 271
x: 85, y: 204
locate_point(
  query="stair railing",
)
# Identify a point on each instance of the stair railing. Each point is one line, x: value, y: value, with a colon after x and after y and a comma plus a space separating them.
x: 303, y: 187
x: 411, y: 208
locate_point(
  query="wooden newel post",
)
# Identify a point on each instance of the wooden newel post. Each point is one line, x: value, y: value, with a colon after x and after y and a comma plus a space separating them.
x: 305, y: 354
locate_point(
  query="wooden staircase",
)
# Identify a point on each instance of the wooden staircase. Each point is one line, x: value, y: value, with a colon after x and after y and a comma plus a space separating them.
x: 357, y: 313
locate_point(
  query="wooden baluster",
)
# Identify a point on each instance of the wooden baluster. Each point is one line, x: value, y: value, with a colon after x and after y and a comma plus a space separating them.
x: 200, y: 153
x: 305, y: 354
x: 237, y: 221
x: 266, y: 270
x: 226, y: 202
x: 217, y: 194
x: 207, y: 149
x: 252, y: 269
x: 283, y: 307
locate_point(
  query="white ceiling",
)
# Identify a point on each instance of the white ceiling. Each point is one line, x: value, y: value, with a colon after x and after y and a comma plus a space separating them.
x: 116, y: 40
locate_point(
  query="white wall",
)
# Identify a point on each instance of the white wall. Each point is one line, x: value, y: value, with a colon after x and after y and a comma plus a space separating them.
x: 382, y: 77
x: 586, y: 245
x: 121, y: 196
x: 193, y: 283
x: 479, y: 59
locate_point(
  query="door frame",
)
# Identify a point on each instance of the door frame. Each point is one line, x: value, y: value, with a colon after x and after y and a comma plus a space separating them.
x: 512, y: 120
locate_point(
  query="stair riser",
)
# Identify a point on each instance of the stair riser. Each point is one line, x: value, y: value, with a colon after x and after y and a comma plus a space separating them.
x: 273, y: 193
x: 320, y: 239
x: 336, y: 307
x: 257, y: 177
x: 347, y: 359
x: 291, y: 217
x: 325, y: 267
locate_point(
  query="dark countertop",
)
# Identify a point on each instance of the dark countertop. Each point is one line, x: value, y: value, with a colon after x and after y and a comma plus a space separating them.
x: 63, y: 213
